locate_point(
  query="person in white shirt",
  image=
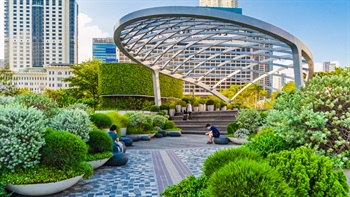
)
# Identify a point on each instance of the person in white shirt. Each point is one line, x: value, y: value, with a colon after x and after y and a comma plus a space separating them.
x: 189, y: 111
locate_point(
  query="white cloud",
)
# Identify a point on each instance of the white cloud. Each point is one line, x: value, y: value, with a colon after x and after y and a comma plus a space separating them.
x: 87, y: 31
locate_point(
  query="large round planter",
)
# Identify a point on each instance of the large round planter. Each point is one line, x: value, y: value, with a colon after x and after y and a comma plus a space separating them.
x: 238, y: 140
x: 183, y: 109
x: 195, y: 109
x: 42, y: 189
x: 171, y: 112
x: 166, y: 111
x: 154, y: 113
x: 98, y: 163
x: 224, y: 108
x: 210, y: 107
x: 151, y: 135
x: 123, y: 131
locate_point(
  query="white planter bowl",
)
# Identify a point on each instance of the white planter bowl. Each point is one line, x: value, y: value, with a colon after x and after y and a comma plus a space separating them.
x: 238, y: 140
x: 123, y: 131
x: 98, y: 163
x: 42, y: 189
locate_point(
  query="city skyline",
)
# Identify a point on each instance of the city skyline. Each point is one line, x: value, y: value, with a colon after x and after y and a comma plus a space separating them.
x: 324, y: 26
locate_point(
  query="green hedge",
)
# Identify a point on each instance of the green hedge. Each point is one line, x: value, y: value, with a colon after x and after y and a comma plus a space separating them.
x: 126, y: 78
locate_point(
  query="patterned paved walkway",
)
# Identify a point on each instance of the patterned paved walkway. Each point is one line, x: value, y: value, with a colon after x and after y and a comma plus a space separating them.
x: 152, y: 166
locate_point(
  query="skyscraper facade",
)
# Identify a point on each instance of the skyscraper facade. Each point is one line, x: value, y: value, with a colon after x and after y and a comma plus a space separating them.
x: 40, y: 32
x: 104, y: 49
x: 219, y: 3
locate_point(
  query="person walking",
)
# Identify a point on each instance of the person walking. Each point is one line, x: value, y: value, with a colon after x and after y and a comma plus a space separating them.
x: 213, y: 132
x: 189, y: 110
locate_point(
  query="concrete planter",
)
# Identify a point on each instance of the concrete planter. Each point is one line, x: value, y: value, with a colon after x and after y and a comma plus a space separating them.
x: 201, y: 107
x: 238, y: 140
x: 42, y: 189
x: 123, y: 131
x: 171, y: 112
x: 210, y: 107
x: 178, y: 108
x: 195, y: 109
x: 98, y: 163
x: 217, y: 109
x: 166, y: 111
x: 183, y: 109
x: 224, y: 108
x: 153, y: 113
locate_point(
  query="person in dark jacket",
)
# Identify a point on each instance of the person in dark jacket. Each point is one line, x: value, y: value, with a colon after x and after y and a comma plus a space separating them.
x: 213, y: 132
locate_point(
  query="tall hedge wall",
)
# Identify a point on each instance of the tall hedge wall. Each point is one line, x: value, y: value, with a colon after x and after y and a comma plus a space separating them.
x: 127, y: 78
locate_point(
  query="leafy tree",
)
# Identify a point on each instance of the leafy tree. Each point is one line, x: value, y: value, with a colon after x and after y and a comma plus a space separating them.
x: 63, y: 97
x: 6, y: 82
x: 85, y: 81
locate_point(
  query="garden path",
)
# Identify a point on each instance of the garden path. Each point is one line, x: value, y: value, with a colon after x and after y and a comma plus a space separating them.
x: 152, y: 166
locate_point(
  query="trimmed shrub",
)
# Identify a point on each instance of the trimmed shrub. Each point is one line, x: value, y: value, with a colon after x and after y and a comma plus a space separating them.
x: 309, y: 174
x: 172, y: 106
x: 22, y: 135
x: 63, y: 149
x: 102, y: 121
x: 75, y: 121
x: 41, y: 102
x: 183, y: 104
x: 154, y: 108
x: 222, y: 157
x: 99, y: 156
x: 248, y: 178
x: 45, y: 174
x: 164, y: 107
x: 210, y: 102
x: 196, y: 104
x: 249, y: 119
x: 125, y: 103
x: 169, y: 124
x: 266, y: 142
x: 232, y: 128
x: 190, y: 186
x: 242, y: 133
x: 217, y: 105
x: 159, y: 121
x: 99, y: 141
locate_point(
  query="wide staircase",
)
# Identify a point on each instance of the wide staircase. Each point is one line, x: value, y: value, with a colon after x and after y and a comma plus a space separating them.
x: 219, y: 119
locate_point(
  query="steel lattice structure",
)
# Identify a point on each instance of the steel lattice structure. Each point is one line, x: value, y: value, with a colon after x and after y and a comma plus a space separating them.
x: 193, y: 43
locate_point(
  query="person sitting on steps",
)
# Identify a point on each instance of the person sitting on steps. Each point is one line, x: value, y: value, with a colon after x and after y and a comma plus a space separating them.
x: 185, y: 116
x: 213, y: 132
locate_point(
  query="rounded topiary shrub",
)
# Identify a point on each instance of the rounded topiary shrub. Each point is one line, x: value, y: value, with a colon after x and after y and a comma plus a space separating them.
x: 63, y: 149
x: 223, y: 157
x: 169, y: 124
x: 75, y: 121
x: 309, y: 174
x: 248, y: 178
x: 102, y: 121
x: 22, y: 135
x: 99, y: 141
x: 249, y: 119
x: 159, y: 121
x: 232, y: 128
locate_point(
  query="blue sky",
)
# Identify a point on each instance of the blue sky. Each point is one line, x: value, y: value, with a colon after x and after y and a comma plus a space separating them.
x: 323, y: 25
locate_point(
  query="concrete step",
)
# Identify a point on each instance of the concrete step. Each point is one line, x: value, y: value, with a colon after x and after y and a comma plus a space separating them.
x: 191, y: 123
x: 200, y: 132
x: 207, y: 118
x: 212, y: 113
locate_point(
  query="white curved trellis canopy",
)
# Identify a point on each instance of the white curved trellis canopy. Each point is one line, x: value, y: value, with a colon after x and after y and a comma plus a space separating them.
x: 195, y: 43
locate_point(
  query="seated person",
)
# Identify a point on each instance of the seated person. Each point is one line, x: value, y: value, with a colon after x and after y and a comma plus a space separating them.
x: 117, y: 146
x: 213, y: 132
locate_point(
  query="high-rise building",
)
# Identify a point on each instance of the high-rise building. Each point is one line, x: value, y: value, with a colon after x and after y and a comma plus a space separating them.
x: 329, y: 66
x: 219, y: 3
x: 104, y: 49
x: 40, y: 32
